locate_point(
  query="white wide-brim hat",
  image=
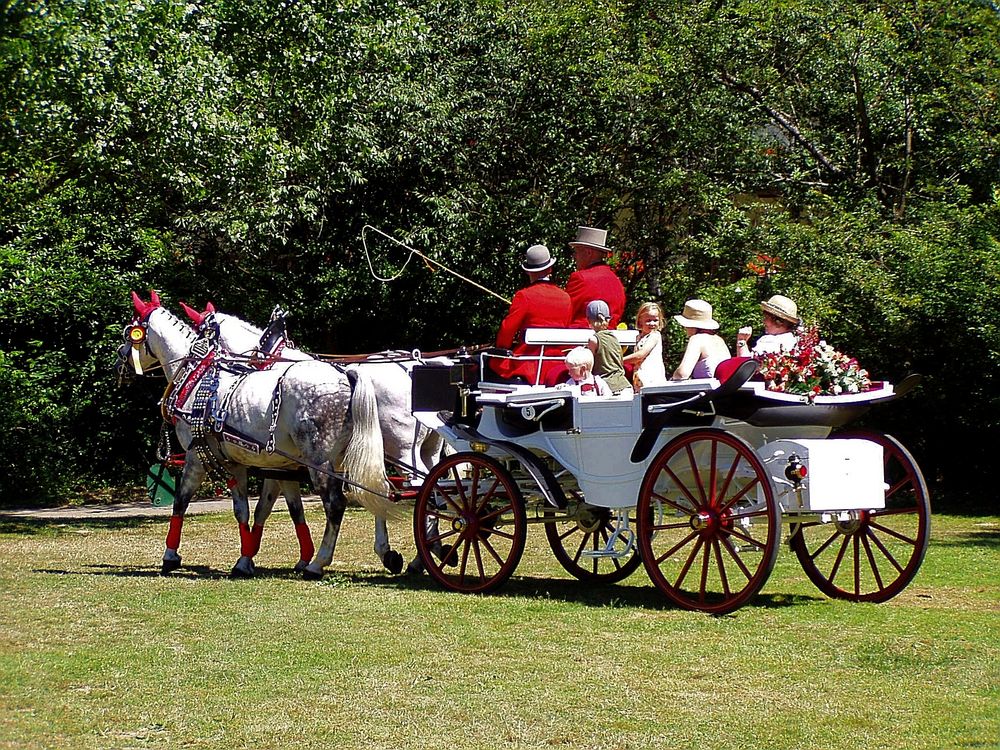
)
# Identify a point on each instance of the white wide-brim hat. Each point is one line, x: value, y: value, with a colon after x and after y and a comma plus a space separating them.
x: 782, y: 308
x: 697, y: 314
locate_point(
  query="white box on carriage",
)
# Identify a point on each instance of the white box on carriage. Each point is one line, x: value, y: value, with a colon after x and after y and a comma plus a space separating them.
x: 840, y: 474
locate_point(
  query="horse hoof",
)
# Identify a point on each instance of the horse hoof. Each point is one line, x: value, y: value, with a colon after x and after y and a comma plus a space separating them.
x: 301, y: 565
x: 452, y: 561
x: 170, y: 564
x: 310, y: 574
x: 243, y: 569
x: 393, y: 562
x: 415, y: 568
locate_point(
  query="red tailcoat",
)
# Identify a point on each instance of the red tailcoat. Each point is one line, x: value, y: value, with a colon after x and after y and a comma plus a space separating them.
x: 596, y: 282
x: 539, y: 305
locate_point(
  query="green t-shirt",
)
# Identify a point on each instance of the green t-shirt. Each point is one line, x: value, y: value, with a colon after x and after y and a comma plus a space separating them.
x: 608, y: 361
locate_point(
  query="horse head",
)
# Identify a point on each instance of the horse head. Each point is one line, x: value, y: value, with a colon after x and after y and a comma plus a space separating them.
x: 197, y: 318
x: 149, y: 338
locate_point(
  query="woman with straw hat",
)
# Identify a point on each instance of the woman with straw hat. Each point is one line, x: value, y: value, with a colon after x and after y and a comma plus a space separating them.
x: 781, y: 318
x: 705, y: 348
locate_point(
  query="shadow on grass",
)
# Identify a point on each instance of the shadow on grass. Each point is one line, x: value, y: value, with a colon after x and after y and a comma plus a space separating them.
x: 619, y: 595
x: 987, y: 538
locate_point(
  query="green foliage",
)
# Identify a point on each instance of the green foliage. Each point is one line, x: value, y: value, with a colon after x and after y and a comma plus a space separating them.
x: 845, y: 155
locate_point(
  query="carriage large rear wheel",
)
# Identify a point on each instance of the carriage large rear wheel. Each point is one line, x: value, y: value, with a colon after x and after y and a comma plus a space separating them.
x: 873, y: 557
x: 469, y: 523
x: 709, y: 525
x: 587, y: 528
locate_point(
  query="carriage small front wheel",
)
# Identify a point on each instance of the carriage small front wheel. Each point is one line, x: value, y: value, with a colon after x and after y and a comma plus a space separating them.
x: 469, y: 523
x: 577, y: 535
x: 708, y: 522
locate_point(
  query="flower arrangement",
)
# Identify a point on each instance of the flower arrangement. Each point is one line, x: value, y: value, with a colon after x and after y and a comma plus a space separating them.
x: 812, y: 368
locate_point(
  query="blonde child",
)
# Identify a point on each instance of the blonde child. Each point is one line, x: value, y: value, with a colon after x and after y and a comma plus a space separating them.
x: 647, y: 359
x: 580, y: 362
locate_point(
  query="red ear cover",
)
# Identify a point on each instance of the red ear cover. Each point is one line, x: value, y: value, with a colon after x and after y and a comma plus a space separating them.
x: 194, y: 316
x: 143, y: 309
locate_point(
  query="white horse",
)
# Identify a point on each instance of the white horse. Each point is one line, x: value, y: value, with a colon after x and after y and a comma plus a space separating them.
x: 309, y: 414
x: 408, y: 444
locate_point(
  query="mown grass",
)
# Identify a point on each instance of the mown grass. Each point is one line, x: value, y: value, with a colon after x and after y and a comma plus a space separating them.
x: 98, y: 651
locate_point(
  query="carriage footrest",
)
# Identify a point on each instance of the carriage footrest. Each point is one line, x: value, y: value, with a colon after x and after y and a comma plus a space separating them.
x: 610, y: 553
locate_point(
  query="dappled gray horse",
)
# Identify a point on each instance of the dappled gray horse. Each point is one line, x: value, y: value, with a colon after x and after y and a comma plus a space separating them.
x: 408, y: 445
x: 228, y: 417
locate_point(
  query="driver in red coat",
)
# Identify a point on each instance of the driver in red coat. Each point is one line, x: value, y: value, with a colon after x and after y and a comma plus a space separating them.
x: 541, y: 304
x: 593, y: 278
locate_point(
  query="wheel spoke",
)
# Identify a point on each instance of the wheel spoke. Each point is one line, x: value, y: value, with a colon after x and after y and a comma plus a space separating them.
x: 840, y: 556
x: 690, y: 560
x: 717, y: 548
x: 460, y: 487
x: 487, y: 496
x: 740, y: 495
x: 492, y: 551
x: 824, y: 545
x: 871, y: 562
x: 677, y: 506
x: 672, y: 550
x: 736, y: 558
x: 695, y: 473
x: 748, y: 539
x: 885, y: 551
x: 857, y: 565
x: 705, y: 556
x: 682, y: 487
x: 892, y: 532
x: 479, y: 559
x: 897, y: 486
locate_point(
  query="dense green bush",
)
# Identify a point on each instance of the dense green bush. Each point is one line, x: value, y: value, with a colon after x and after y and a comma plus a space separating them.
x: 233, y: 151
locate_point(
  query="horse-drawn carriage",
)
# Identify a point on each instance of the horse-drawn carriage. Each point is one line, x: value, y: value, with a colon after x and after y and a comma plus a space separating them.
x: 692, y: 479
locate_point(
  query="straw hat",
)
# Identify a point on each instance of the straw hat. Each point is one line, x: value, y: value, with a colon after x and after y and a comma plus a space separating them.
x: 782, y: 308
x: 697, y: 314
x: 591, y: 237
x: 537, y: 258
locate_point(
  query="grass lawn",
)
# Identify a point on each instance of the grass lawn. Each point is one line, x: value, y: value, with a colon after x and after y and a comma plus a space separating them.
x: 98, y: 651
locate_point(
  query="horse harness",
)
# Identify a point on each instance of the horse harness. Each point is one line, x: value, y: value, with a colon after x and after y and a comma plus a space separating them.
x: 193, y: 396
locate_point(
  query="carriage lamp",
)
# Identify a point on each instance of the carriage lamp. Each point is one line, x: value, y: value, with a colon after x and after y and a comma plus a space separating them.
x: 479, y: 447
x: 795, y: 471
x: 136, y: 334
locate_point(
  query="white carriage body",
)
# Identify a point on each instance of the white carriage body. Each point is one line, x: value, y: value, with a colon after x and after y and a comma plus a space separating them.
x: 716, y: 466
x: 595, y: 444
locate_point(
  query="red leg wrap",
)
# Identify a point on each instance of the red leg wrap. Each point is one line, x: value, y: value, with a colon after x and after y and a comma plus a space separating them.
x: 306, y: 549
x: 246, y: 541
x: 174, y: 533
x: 255, y: 534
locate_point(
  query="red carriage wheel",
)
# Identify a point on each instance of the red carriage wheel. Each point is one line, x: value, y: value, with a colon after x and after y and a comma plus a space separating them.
x: 587, y: 528
x: 872, y: 557
x: 469, y: 523
x: 708, y: 521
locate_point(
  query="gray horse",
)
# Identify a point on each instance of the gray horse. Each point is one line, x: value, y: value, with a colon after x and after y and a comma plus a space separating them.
x: 408, y: 444
x: 309, y: 414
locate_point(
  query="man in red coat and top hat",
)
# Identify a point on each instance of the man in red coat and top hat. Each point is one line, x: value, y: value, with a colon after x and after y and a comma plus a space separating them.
x: 541, y: 304
x: 593, y: 278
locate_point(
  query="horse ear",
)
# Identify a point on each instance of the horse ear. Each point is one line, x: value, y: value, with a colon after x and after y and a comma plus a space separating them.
x: 154, y: 298
x: 142, y: 309
x: 193, y: 315
x: 209, y: 308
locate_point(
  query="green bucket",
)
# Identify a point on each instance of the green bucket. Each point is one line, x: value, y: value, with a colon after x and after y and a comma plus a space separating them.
x: 160, y: 485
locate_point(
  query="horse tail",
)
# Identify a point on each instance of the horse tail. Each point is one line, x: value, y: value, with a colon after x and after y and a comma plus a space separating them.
x: 364, y: 458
